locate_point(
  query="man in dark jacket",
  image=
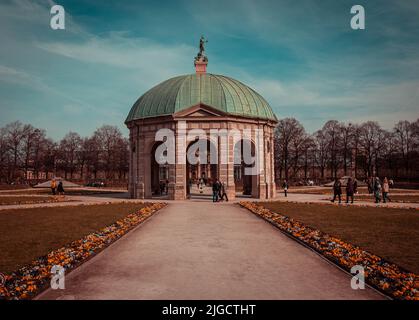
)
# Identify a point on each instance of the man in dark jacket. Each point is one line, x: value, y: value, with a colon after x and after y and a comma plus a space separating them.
x: 223, y: 191
x: 350, y: 191
x: 337, y: 190
x: 285, y: 187
x: 215, y: 191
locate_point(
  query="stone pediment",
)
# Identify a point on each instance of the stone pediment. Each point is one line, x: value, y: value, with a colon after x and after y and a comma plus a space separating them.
x: 200, y: 111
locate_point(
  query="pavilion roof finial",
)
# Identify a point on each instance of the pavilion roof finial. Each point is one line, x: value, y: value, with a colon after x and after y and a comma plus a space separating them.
x: 201, y: 60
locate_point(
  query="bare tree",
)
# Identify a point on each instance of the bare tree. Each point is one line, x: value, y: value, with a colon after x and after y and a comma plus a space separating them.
x: 68, y: 150
x: 49, y: 156
x: 332, y: 132
x: 108, y: 138
x: 288, y: 134
x: 404, y: 133
x: 370, y: 135
x: 15, y: 134
x: 4, y: 155
x: 321, y: 151
x: 347, y: 135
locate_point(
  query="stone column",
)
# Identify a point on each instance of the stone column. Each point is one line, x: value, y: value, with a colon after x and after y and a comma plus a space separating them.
x: 272, y: 163
x: 261, y: 181
x: 132, y: 161
x: 177, y: 172
x: 139, y: 167
x: 226, y: 164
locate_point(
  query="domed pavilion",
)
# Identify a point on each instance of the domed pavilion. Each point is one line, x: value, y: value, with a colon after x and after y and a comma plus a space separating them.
x: 208, y: 102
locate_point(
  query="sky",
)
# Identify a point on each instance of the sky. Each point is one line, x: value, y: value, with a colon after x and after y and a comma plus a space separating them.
x: 302, y: 56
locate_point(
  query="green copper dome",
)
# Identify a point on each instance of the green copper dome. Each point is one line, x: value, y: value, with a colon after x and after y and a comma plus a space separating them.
x: 220, y: 92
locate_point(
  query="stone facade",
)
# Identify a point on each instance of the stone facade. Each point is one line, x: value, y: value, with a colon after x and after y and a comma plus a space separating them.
x: 143, y: 142
x: 206, y: 102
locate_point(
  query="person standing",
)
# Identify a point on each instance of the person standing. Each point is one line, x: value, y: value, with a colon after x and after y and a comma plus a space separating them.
x: 370, y: 185
x: 355, y: 186
x: 386, y: 190
x: 337, y: 190
x: 391, y: 183
x: 377, y: 189
x: 285, y: 187
x: 53, y: 186
x: 162, y: 187
x: 223, y: 191
x: 201, y: 185
x: 350, y: 190
x: 215, y: 191
x: 60, y: 188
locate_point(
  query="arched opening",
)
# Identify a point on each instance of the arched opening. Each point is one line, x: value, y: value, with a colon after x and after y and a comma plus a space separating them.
x: 245, y: 181
x: 200, y: 175
x: 159, y: 175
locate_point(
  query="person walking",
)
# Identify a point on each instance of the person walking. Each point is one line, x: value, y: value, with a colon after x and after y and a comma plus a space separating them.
x: 370, y: 185
x: 60, y: 188
x: 201, y: 185
x: 350, y: 190
x: 215, y: 191
x: 223, y: 191
x: 53, y: 186
x: 162, y: 187
x: 337, y: 190
x: 355, y: 186
x: 386, y: 190
x: 285, y: 187
x: 391, y: 183
x: 377, y: 189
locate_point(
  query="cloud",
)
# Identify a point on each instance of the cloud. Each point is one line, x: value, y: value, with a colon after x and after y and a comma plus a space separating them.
x: 300, y: 56
x: 153, y: 60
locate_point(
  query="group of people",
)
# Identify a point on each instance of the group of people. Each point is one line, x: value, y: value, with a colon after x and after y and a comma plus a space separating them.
x: 218, y: 191
x: 380, y: 190
x: 57, y: 188
x: 351, y: 189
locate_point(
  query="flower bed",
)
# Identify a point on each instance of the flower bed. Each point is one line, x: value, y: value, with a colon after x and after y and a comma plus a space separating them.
x: 30, y: 280
x: 383, y: 275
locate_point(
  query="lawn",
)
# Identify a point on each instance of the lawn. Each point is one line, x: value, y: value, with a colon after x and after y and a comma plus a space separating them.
x: 394, y: 197
x: 9, y: 200
x: 68, y: 191
x: 26, y: 234
x: 402, y: 198
x: 329, y: 190
x: 390, y: 233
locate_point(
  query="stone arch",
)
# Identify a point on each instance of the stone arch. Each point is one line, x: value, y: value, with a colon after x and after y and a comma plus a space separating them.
x: 208, y: 171
x: 245, y: 184
x: 159, y: 173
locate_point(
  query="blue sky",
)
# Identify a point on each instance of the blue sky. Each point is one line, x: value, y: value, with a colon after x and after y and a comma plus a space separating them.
x: 302, y: 56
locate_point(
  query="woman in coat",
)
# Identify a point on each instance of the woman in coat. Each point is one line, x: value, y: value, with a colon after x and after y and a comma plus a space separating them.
x: 386, y: 190
x: 337, y: 190
x: 377, y: 190
x: 60, y: 188
x: 350, y: 191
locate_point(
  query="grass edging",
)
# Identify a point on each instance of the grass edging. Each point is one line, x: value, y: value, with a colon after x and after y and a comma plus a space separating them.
x: 32, y: 279
x: 384, y: 276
